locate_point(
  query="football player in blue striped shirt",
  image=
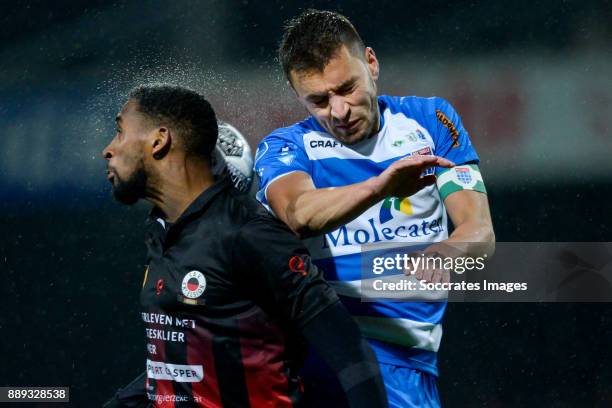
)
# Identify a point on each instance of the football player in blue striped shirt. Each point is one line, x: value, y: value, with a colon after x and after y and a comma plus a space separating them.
x: 365, y: 169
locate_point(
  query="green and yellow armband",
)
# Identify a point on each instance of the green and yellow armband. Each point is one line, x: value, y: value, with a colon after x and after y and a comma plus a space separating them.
x: 463, y: 177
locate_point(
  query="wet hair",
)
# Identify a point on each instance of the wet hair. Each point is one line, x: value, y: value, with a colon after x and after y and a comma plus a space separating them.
x: 311, y: 39
x: 184, y: 110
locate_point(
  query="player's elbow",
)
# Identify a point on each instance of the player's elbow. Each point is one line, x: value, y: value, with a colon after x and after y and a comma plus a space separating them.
x: 301, y: 222
x: 301, y: 226
x: 481, y: 237
x: 488, y: 239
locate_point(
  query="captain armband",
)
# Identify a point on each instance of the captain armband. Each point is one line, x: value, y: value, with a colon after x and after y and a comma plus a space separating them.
x: 463, y: 177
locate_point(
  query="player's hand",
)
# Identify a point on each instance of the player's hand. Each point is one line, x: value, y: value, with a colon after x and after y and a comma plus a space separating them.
x: 427, y: 269
x: 403, y: 177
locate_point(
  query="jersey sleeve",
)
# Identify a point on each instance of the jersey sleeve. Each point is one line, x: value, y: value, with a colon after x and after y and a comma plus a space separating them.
x: 452, y: 141
x: 450, y: 138
x: 275, y: 270
x: 277, y: 155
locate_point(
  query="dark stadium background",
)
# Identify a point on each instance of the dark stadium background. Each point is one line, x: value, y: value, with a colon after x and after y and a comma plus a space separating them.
x: 71, y: 260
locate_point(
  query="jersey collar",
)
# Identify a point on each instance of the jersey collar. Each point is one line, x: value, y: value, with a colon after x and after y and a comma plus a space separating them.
x: 198, y: 205
x: 382, y: 106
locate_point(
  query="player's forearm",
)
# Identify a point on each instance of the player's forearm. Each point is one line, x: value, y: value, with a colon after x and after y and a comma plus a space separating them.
x: 322, y: 210
x: 471, y: 238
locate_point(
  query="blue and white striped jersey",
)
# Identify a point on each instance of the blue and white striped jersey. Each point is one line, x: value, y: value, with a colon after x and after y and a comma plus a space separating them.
x: 401, y: 333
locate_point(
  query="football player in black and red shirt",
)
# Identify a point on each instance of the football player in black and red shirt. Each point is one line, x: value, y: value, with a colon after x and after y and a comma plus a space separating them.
x: 230, y: 294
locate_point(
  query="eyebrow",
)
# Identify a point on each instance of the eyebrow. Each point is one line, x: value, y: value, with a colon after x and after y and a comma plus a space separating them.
x: 335, y: 89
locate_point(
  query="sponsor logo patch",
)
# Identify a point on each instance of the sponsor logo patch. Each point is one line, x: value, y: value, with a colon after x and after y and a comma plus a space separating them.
x: 378, y: 232
x: 401, y: 204
x: 194, y: 284
x: 450, y: 126
x: 426, y: 151
x: 296, y: 264
x: 174, y: 372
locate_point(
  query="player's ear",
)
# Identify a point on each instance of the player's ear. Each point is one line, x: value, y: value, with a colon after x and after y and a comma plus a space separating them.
x: 161, y: 142
x: 372, y: 62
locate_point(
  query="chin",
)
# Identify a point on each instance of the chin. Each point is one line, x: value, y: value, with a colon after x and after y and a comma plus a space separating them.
x: 353, y: 138
x: 131, y: 190
x: 125, y: 197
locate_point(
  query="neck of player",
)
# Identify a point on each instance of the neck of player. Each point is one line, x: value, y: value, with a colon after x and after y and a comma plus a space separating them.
x: 177, y: 182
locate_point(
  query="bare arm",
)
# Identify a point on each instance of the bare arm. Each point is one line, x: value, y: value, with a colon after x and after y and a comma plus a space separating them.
x: 310, y: 211
x: 470, y: 214
x: 473, y: 235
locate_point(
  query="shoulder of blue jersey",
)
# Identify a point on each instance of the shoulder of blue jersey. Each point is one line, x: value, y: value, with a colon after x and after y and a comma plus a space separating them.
x: 415, y: 107
x: 288, y: 138
x: 297, y: 129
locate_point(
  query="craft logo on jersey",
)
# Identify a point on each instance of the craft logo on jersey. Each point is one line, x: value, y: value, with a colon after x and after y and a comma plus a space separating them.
x: 325, y: 143
x: 194, y: 284
x: 400, y: 204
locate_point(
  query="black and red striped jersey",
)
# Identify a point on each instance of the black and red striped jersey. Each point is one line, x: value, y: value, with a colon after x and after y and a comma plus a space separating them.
x: 226, y: 290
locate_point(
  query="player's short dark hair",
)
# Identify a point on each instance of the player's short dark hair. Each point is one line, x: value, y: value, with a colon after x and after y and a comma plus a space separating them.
x: 311, y: 39
x: 182, y: 109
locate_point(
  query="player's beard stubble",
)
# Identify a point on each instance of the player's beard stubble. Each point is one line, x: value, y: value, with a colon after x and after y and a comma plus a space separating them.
x: 129, y: 191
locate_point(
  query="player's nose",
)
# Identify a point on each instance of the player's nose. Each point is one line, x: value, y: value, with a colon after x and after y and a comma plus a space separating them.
x: 339, y: 108
x: 107, y: 153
